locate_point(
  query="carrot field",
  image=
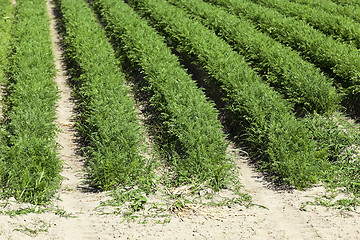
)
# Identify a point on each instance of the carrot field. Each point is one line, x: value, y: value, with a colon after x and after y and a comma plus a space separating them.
x: 162, y: 88
x: 155, y: 108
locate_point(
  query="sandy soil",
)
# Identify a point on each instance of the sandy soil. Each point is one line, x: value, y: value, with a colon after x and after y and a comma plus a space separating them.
x: 282, y: 218
x: 277, y: 215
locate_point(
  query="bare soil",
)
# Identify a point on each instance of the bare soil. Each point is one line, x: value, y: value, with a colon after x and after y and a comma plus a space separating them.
x: 277, y: 214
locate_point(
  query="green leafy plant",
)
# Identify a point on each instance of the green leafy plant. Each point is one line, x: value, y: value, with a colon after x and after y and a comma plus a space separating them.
x: 188, y: 131
x: 340, y: 60
x: 300, y: 81
x: 272, y: 132
x: 352, y: 11
x: 347, y: 2
x: 339, y: 139
x: 34, y: 230
x: 29, y: 165
x: 108, y: 122
x: 6, y: 23
x: 339, y: 27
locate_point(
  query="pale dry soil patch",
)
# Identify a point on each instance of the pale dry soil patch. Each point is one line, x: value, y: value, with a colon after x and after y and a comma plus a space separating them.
x: 75, y: 214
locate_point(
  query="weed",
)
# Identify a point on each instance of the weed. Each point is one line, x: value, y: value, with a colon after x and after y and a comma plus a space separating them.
x: 63, y: 213
x: 33, y: 231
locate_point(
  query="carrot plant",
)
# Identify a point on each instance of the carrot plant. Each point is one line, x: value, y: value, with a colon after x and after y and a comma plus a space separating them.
x: 282, y: 143
x: 29, y: 163
x: 338, y: 141
x: 337, y: 26
x: 300, y: 81
x: 190, y: 135
x: 108, y: 122
x: 347, y: 2
x: 352, y: 11
x: 6, y: 22
x: 339, y: 60
x: 340, y: 138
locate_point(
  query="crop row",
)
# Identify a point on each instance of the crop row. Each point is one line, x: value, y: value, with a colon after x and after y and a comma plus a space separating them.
x: 29, y: 167
x: 333, y: 142
x: 347, y: 2
x: 108, y: 122
x: 300, y: 81
x: 6, y: 21
x: 339, y: 59
x: 186, y: 126
x: 266, y: 119
x: 340, y: 27
x: 189, y: 132
x: 352, y: 11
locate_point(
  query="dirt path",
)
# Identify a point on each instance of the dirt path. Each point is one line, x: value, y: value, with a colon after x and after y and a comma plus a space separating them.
x: 284, y: 216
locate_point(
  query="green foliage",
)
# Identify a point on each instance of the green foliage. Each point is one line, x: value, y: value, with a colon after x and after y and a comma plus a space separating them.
x: 340, y: 139
x: 347, y: 2
x: 343, y: 28
x: 188, y: 130
x: 128, y: 202
x: 33, y: 231
x: 29, y: 165
x: 108, y: 122
x: 271, y: 130
x: 340, y: 59
x: 335, y: 134
x: 297, y: 79
x: 6, y: 22
x: 351, y: 11
x: 134, y: 197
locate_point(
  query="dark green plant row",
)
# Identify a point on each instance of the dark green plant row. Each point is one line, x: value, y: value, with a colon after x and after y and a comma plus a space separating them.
x: 334, y: 135
x: 340, y: 59
x: 29, y: 166
x: 347, y: 2
x: 300, y: 81
x: 108, y: 121
x: 191, y: 136
x: 352, y: 11
x: 271, y: 130
x: 339, y: 27
x: 6, y: 22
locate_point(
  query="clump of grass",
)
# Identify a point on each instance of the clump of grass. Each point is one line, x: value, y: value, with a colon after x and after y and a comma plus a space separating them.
x: 34, y: 229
